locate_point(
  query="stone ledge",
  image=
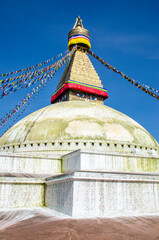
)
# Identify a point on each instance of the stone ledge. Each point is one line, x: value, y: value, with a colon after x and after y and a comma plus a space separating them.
x: 15, y: 180
x: 104, y: 176
x: 101, y: 180
x: 110, y: 154
x: 76, y: 144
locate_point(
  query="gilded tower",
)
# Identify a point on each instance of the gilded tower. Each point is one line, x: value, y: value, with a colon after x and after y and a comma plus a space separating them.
x: 80, y: 81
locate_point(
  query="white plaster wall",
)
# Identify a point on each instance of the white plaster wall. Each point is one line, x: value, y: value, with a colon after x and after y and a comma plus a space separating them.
x: 96, y: 161
x: 114, y: 198
x: 19, y: 194
x: 71, y: 162
x: 26, y: 164
x: 59, y: 197
x: 103, y: 194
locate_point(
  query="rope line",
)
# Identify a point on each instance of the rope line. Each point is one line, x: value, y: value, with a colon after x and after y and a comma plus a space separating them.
x: 34, y: 66
x: 44, y: 81
x: 14, y: 86
x: 149, y: 90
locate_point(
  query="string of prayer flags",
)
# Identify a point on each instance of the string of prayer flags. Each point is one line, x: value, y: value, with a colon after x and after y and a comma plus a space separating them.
x: 28, y: 79
x: 151, y: 91
x: 34, y: 66
x: 22, y: 111
x: 44, y: 82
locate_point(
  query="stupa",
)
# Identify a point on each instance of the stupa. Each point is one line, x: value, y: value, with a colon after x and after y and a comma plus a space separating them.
x: 77, y: 155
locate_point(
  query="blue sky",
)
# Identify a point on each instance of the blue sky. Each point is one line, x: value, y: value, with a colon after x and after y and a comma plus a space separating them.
x: 123, y: 33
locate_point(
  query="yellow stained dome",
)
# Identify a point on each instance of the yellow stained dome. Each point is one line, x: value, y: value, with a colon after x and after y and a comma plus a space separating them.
x: 78, y: 120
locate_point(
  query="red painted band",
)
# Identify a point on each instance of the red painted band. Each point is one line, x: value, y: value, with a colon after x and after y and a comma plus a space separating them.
x: 80, y: 88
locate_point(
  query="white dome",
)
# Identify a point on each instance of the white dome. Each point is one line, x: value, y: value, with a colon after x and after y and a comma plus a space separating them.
x: 78, y: 120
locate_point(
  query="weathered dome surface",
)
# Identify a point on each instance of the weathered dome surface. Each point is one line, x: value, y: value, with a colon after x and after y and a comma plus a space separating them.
x: 78, y: 120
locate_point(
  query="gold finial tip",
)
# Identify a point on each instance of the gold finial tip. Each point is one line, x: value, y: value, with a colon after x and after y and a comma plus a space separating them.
x: 78, y: 23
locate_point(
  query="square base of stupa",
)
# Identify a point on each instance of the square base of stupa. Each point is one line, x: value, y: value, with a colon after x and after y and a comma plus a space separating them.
x: 103, y: 194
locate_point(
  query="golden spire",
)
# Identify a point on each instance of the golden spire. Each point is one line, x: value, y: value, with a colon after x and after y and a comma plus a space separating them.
x: 79, y: 82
